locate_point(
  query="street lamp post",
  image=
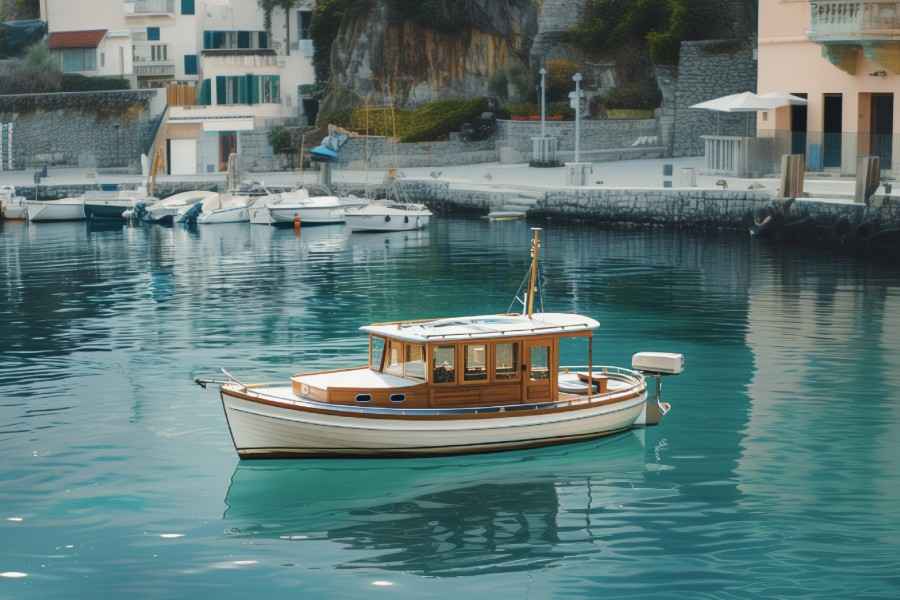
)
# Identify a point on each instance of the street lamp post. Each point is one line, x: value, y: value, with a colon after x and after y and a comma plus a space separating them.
x: 543, y: 73
x: 577, y: 102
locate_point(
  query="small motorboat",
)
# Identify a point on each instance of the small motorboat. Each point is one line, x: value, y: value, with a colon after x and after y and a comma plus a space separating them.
x: 65, y: 209
x: 165, y: 211
x: 260, y: 213
x: 315, y: 210
x: 12, y: 207
x: 384, y: 215
x: 217, y: 209
x: 114, y: 204
x: 451, y: 386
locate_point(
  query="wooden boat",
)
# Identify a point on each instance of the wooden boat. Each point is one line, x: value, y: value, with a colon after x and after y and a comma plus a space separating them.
x: 450, y: 386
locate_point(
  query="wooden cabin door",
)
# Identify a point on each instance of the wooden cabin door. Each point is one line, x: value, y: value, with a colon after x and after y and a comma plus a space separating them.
x: 539, y: 371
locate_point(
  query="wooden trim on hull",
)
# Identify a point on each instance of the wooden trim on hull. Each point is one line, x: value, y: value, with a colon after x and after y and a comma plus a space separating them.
x: 464, y: 414
x: 419, y: 452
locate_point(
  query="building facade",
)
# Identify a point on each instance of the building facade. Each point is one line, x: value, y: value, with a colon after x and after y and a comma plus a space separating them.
x: 843, y: 56
x: 245, y: 77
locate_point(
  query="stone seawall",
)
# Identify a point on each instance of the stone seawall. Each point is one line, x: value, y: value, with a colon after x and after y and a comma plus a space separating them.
x: 163, y: 189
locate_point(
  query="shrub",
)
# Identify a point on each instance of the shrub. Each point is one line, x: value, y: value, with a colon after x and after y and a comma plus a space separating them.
x: 79, y: 83
x: 430, y: 122
x: 634, y: 97
x: 559, y: 78
x: 528, y: 111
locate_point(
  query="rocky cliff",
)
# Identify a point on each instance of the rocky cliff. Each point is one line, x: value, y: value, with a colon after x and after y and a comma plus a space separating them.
x: 450, y: 51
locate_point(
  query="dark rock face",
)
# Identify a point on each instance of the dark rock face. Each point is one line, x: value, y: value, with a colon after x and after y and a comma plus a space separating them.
x: 380, y: 54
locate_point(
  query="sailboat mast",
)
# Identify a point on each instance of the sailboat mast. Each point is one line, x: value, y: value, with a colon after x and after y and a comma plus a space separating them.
x: 533, y: 275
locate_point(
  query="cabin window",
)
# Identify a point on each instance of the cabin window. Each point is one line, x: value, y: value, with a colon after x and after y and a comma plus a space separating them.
x: 376, y: 353
x: 363, y: 397
x: 443, y: 364
x: 398, y: 397
x: 540, y: 363
x: 506, y: 361
x: 476, y: 363
x: 394, y: 364
x: 415, y: 362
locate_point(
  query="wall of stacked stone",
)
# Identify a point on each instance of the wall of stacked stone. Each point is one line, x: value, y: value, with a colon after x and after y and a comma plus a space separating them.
x: 384, y: 153
x: 80, y: 129
x: 707, y: 70
x: 596, y: 134
x: 163, y: 189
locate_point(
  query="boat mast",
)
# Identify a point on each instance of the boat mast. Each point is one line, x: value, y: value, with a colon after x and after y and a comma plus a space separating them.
x: 533, y: 275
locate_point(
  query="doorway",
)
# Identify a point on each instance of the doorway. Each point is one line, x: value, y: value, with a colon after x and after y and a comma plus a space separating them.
x: 540, y: 372
x: 798, y: 126
x: 832, y: 130
x: 227, y: 147
x: 882, y: 128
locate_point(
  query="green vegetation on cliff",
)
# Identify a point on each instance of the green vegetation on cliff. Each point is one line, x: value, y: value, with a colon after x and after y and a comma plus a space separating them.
x: 430, y: 122
x: 658, y: 25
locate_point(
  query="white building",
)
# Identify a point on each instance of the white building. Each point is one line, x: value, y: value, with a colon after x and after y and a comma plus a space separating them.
x: 247, y: 78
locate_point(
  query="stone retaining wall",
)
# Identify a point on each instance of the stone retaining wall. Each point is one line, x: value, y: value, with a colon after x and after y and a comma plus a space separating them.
x: 163, y: 190
x: 83, y: 129
x: 384, y: 153
x: 707, y: 70
x: 638, y: 136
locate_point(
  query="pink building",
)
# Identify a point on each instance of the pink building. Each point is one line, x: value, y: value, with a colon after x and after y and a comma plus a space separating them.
x: 844, y: 57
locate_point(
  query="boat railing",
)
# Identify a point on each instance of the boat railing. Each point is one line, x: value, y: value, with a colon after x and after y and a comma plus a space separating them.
x: 600, y: 369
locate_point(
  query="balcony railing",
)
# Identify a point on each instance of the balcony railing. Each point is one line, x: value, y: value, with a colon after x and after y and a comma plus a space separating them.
x: 843, y: 20
x: 150, y: 7
x: 153, y: 60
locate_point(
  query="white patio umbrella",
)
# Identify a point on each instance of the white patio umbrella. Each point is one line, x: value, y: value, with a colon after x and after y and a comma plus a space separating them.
x: 747, y: 102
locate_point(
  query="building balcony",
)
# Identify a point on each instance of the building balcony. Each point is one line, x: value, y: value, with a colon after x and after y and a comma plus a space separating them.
x: 154, y: 69
x: 859, y: 21
x: 152, y: 59
x: 848, y: 28
x: 149, y: 8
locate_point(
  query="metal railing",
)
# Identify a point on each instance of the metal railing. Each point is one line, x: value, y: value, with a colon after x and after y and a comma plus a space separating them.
x: 843, y: 19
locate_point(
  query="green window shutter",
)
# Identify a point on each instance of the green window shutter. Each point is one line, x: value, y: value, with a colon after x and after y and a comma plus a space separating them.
x: 206, y: 93
x: 221, y: 82
x: 243, y: 90
x: 153, y: 34
x: 187, y: 7
x: 243, y: 39
x: 253, y: 82
x: 190, y: 64
x: 276, y: 89
x: 263, y: 39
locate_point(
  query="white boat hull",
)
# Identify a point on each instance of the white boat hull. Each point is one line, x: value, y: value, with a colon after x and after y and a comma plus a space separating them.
x: 55, y: 211
x: 267, y: 430
x: 308, y: 215
x: 227, y: 215
x: 13, y: 210
x: 386, y: 222
x: 260, y: 215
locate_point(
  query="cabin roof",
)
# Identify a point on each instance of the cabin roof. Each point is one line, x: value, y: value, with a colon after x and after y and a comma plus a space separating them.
x: 483, y: 327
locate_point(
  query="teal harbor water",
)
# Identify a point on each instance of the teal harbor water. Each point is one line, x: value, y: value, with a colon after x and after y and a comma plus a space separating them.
x: 775, y: 475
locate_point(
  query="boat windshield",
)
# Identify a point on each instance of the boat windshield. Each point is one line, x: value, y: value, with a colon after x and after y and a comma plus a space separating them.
x: 376, y: 353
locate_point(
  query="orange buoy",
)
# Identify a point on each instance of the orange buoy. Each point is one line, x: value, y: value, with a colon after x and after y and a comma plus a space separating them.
x: 297, y: 222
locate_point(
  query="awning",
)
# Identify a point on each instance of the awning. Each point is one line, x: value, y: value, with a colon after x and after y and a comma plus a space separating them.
x: 76, y: 39
x: 749, y: 102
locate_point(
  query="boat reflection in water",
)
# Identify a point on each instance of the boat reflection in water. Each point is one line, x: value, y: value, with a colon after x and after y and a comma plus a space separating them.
x: 449, y: 516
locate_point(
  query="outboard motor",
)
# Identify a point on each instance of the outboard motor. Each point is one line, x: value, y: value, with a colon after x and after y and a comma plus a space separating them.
x: 657, y: 365
x: 139, y: 212
x: 193, y: 213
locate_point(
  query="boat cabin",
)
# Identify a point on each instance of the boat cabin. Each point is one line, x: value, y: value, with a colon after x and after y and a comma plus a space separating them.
x: 493, y: 360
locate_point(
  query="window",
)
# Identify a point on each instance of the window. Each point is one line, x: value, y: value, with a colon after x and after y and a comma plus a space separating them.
x: 206, y: 93
x: 153, y: 34
x: 234, y: 40
x: 398, y: 397
x: 190, y: 64
x: 540, y: 363
x: 443, y: 364
x: 187, y: 7
x: 102, y: 59
x: 77, y: 60
x: 159, y: 52
x: 243, y: 39
x: 415, y: 362
x: 476, y: 363
x: 394, y: 364
x: 376, y: 353
x: 304, y: 20
x: 506, y: 361
x: 270, y: 89
x: 363, y: 397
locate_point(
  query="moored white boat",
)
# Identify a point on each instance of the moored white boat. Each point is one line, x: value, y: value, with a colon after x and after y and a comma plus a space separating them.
x: 316, y: 210
x: 12, y: 207
x: 165, y: 211
x: 450, y: 386
x: 225, y: 208
x: 113, y: 205
x: 385, y: 215
x: 65, y: 209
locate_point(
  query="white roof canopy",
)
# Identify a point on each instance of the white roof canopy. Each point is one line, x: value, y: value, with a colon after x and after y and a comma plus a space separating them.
x: 750, y: 102
x: 482, y: 327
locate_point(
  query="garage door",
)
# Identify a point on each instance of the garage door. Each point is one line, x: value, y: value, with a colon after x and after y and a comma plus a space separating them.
x: 184, y: 157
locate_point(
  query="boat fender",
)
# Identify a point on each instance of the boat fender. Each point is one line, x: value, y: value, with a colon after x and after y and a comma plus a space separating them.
x: 406, y: 219
x: 297, y: 222
x: 387, y: 218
